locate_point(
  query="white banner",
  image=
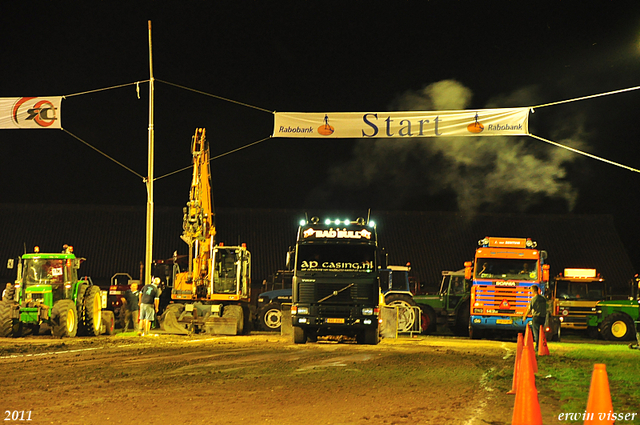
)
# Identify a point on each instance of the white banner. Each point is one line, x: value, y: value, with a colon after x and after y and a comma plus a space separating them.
x: 30, y: 112
x: 480, y: 122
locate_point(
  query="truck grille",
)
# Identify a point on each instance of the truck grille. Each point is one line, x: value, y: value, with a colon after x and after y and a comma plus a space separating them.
x: 334, y: 311
x: 505, y: 300
x: 359, y: 293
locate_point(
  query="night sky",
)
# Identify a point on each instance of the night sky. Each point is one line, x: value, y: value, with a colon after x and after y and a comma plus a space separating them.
x: 327, y: 57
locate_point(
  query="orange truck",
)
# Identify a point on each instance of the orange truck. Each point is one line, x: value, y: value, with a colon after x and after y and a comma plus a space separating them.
x: 502, y: 274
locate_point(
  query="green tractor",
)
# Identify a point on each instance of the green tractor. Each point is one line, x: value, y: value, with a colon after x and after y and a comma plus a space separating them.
x: 450, y: 306
x: 48, y: 291
x: 616, y: 320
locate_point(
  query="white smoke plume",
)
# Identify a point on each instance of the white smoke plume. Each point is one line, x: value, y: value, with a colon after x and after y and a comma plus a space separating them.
x: 508, y: 174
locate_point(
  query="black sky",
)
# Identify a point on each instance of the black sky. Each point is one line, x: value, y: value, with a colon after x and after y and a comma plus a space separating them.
x: 320, y: 57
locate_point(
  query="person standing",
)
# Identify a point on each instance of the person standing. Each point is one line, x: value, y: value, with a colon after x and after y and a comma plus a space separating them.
x: 538, y: 309
x: 131, y: 308
x: 149, y: 301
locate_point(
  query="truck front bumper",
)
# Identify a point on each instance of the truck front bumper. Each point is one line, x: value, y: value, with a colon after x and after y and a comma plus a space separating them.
x: 315, y: 321
x: 507, y: 323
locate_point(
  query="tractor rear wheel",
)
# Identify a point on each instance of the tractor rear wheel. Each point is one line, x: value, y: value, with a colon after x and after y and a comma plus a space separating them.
x: 270, y: 317
x: 429, y: 323
x: 65, y: 319
x: 617, y: 327
x: 9, y: 292
x: 6, y: 323
x: 406, y: 314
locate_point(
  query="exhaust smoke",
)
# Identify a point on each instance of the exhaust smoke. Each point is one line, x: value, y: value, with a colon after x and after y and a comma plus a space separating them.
x: 470, y: 174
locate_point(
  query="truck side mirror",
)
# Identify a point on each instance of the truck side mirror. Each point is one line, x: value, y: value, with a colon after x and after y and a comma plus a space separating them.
x: 545, y: 272
x: 468, y: 270
x: 10, y: 263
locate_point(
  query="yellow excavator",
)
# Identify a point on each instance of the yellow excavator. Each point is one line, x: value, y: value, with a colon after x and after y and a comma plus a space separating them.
x: 212, y: 295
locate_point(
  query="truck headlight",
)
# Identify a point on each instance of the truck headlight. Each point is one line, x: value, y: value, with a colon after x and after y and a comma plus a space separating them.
x: 367, y: 321
x: 367, y: 311
x: 303, y: 310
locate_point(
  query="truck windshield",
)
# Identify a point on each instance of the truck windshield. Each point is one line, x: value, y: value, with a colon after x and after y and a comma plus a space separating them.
x: 580, y: 291
x: 336, y: 258
x: 506, y: 268
x: 40, y: 271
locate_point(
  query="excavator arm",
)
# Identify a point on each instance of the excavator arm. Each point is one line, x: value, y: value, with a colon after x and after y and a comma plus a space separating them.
x: 199, y: 220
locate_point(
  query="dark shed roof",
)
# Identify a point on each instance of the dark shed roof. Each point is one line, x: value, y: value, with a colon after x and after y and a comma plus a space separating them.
x: 112, y: 238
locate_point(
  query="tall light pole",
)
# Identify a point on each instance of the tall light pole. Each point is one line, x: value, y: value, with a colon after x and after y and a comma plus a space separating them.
x: 149, y: 182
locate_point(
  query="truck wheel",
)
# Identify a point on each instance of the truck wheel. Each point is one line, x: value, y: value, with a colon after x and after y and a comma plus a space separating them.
x: 556, y: 327
x: 369, y: 336
x: 270, y: 317
x: 108, y: 322
x: 6, y: 323
x: 475, y: 333
x: 429, y: 321
x: 617, y: 327
x: 406, y: 313
x: 299, y: 335
x: 90, y: 312
x: 65, y: 319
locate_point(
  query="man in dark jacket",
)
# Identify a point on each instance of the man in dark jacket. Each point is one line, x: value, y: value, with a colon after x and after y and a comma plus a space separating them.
x: 538, y: 309
x: 130, y: 307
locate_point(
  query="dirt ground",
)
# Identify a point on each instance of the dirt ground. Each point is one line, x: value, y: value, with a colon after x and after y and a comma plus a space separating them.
x: 263, y: 378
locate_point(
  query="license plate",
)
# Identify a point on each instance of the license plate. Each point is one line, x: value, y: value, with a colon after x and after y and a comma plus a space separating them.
x: 331, y: 320
x: 504, y: 321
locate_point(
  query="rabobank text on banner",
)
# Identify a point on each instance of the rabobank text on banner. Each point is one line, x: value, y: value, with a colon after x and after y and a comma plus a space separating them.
x: 30, y: 112
x: 348, y: 125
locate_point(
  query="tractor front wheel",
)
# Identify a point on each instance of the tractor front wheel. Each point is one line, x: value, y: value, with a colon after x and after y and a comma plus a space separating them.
x: 90, y: 310
x: 65, y: 319
x: 617, y: 327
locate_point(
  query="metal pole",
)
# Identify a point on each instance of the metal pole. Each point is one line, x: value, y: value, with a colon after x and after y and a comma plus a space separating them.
x: 149, y: 233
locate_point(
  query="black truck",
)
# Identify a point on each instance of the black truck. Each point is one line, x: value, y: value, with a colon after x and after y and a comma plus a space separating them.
x: 336, y: 290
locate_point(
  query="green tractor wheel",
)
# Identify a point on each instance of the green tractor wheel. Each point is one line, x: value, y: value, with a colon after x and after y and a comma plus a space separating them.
x: 617, y: 327
x: 90, y: 312
x: 65, y: 319
x: 6, y: 323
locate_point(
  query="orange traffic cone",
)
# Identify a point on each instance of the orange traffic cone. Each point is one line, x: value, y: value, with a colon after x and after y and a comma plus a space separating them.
x: 599, y: 407
x: 543, y: 350
x: 516, y: 366
x: 526, y: 410
x: 529, y: 348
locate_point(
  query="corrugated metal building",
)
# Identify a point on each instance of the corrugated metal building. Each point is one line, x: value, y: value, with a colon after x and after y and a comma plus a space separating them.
x: 112, y: 238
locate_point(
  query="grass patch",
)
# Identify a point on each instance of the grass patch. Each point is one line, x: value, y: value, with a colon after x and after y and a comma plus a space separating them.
x: 568, y: 370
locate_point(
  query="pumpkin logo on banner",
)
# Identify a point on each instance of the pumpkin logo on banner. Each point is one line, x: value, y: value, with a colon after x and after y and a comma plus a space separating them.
x: 325, y: 129
x: 475, y: 127
x: 25, y: 113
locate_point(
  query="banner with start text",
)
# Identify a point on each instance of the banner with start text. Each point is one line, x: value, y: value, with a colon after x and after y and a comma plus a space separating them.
x: 30, y: 112
x: 479, y: 122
